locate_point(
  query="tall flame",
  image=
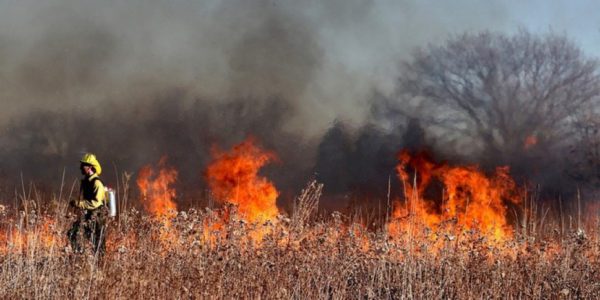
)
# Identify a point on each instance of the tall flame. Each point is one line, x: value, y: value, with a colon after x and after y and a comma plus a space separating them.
x: 233, y: 178
x: 157, y: 189
x: 158, y: 196
x: 471, y: 199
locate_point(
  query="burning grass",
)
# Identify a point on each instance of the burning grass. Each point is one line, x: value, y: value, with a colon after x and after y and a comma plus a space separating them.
x: 300, y: 256
x: 460, y: 247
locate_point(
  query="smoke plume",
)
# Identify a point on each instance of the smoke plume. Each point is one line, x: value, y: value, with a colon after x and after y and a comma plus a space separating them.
x: 135, y: 80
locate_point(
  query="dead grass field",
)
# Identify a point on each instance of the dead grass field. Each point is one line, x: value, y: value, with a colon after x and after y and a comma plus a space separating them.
x: 201, y: 254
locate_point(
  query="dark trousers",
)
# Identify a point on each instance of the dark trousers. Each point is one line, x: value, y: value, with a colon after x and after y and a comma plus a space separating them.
x: 90, y: 226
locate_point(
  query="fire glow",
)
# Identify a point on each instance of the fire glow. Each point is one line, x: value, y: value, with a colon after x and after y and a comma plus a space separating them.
x: 41, y: 236
x: 233, y: 178
x: 156, y: 189
x: 158, y: 196
x: 471, y: 200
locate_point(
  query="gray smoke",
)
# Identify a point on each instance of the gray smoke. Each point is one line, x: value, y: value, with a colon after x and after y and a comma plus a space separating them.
x: 135, y: 80
x: 84, y: 56
x: 324, y: 58
x: 132, y: 82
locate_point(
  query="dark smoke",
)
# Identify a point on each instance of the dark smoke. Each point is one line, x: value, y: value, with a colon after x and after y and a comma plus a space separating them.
x: 134, y: 96
x: 135, y: 80
x: 44, y: 143
x: 361, y: 162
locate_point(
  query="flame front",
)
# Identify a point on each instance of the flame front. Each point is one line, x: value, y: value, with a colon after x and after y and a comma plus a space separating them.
x: 471, y: 200
x: 157, y: 191
x: 158, y: 196
x: 233, y: 178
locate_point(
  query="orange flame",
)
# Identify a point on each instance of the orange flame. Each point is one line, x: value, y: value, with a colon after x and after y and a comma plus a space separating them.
x: 157, y: 191
x: 530, y: 141
x: 471, y: 199
x: 233, y: 178
x: 42, y: 236
x: 158, y: 197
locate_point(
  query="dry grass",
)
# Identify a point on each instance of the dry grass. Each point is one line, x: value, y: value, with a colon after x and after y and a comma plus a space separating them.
x: 299, y: 257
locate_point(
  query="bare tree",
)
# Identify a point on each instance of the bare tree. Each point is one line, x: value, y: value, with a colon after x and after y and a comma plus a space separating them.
x: 503, y: 94
x: 584, y: 153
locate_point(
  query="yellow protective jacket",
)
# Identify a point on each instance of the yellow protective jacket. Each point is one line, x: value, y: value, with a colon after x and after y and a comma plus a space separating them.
x: 93, y: 193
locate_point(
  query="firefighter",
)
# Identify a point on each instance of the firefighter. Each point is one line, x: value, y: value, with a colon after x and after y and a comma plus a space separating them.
x: 91, y: 222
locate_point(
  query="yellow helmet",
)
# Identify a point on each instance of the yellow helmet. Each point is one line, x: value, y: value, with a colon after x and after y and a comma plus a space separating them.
x: 90, y: 159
